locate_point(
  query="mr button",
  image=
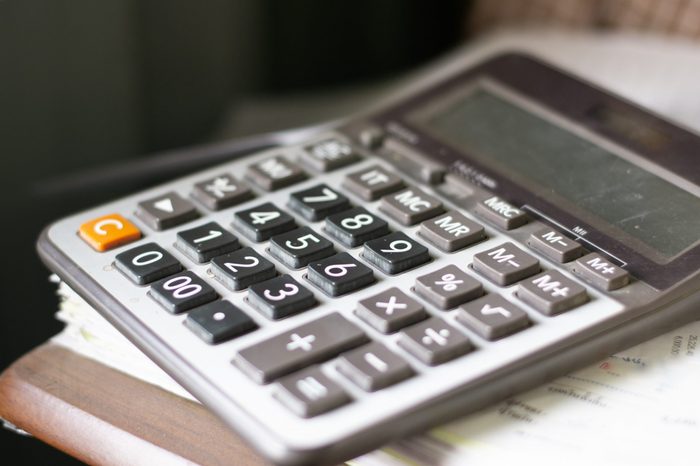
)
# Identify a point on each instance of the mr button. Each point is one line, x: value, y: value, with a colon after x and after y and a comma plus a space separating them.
x: 108, y: 232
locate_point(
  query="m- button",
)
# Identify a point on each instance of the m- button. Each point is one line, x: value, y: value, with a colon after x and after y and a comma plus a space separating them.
x: 108, y: 232
x: 554, y: 245
x: 505, y: 264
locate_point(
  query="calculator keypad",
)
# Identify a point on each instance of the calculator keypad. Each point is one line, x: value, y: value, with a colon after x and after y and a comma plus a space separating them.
x: 182, y: 292
x: 219, y: 321
x: 206, y: 241
x: 492, y: 317
x: 411, y: 206
x: 448, y: 287
x: 339, y: 274
x: 302, y: 346
x: 355, y: 227
x: 318, y: 202
x: 280, y: 297
x: 373, y: 367
x: 433, y: 341
x: 297, y: 248
x: 240, y: 269
x: 166, y: 211
x: 505, y: 264
x: 261, y: 222
x: 146, y: 263
x: 395, y: 253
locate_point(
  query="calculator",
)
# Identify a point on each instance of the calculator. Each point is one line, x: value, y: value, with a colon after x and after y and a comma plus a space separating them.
x: 493, y: 228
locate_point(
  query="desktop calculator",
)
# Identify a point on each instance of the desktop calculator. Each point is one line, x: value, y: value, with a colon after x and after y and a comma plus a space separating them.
x: 494, y: 227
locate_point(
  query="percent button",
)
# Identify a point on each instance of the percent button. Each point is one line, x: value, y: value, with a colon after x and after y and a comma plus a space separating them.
x: 448, y: 287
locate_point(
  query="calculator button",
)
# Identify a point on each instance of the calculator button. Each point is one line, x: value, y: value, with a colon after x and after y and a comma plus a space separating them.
x: 448, y: 287
x: 492, y: 317
x: 206, y: 241
x: 297, y: 248
x: 221, y: 192
x: 339, y: 274
x: 262, y: 222
x: 166, y: 211
x: 355, y: 227
x: 372, y: 183
x: 390, y: 310
x: 395, y: 253
x: 501, y: 213
x: 219, y: 321
x: 108, y: 232
x: 318, y: 202
x: 451, y: 231
x: 307, y: 344
x: 280, y: 297
x: 552, y: 293
x: 182, y: 292
x: 146, y: 263
x: 505, y: 264
x: 240, y: 269
x: 373, y: 367
x: 274, y: 173
x: 411, y: 206
x: 329, y: 154
x: 310, y: 392
x: 434, y: 341
x: 554, y: 245
x: 597, y: 270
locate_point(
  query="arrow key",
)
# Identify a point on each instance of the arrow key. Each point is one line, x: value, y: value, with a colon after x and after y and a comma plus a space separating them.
x: 492, y: 317
x: 206, y: 241
x: 166, y: 211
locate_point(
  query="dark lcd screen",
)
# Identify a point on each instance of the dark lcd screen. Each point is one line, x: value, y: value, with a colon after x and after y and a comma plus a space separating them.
x: 596, y: 184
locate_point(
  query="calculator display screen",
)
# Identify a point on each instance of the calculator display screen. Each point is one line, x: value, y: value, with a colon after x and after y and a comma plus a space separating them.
x: 579, y: 175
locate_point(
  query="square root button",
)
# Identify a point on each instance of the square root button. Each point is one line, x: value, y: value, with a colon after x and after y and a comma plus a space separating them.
x: 492, y: 317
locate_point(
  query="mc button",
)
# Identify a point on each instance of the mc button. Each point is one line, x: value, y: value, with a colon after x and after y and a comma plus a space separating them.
x: 108, y: 232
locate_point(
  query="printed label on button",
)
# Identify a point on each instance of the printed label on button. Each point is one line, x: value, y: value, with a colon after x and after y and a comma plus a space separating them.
x: 108, y: 232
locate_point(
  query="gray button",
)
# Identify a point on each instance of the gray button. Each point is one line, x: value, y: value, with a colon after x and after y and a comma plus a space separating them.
x: 597, y: 270
x: 451, y: 231
x: 448, y: 287
x: 310, y: 392
x: 554, y: 245
x: 412, y: 161
x: 390, y: 310
x: 274, y: 173
x: 329, y: 154
x: 501, y: 213
x: 505, y: 264
x: 411, y: 206
x: 166, y: 211
x: 221, y: 192
x: 302, y: 346
x: 552, y: 293
x: 372, y: 183
x: 434, y: 341
x: 373, y: 367
x: 492, y: 317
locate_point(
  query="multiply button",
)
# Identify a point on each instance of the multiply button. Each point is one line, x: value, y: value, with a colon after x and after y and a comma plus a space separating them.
x: 554, y: 245
x: 434, y: 341
x: 390, y: 310
x: 501, y: 213
x: 552, y: 293
x: 595, y: 269
x: 492, y: 317
x: 505, y: 264
x: 302, y: 346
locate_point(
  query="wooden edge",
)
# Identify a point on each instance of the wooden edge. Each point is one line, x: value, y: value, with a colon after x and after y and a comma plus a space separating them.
x: 102, y: 416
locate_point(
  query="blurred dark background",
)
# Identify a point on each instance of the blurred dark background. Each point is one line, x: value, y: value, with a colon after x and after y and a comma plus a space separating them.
x: 88, y: 84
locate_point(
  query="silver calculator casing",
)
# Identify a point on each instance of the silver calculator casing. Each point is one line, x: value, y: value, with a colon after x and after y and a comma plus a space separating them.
x: 552, y: 346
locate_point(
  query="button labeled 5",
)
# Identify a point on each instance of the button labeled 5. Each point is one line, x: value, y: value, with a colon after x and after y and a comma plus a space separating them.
x: 108, y: 232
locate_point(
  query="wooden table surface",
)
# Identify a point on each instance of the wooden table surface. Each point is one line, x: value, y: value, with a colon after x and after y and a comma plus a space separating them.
x: 102, y: 416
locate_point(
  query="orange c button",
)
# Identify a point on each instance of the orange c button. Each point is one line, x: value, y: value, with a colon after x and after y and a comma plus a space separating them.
x: 108, y: 232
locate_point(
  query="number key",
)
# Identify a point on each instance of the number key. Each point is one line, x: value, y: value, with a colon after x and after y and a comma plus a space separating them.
x: 280, y: 297
x: 242, y: 268
x: 182, y: 292
x: 339, y: 274
x: 146, y: 263
x: 318, y: 202
x: 298, y: 247
x: 355, y: 227
x: 206, y: 241
x: 262, y: 222
x: 395, y: 253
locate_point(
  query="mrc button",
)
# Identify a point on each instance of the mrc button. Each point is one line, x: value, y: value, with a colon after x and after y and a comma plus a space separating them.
x: 501, y: 213
x: 597, y: 270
